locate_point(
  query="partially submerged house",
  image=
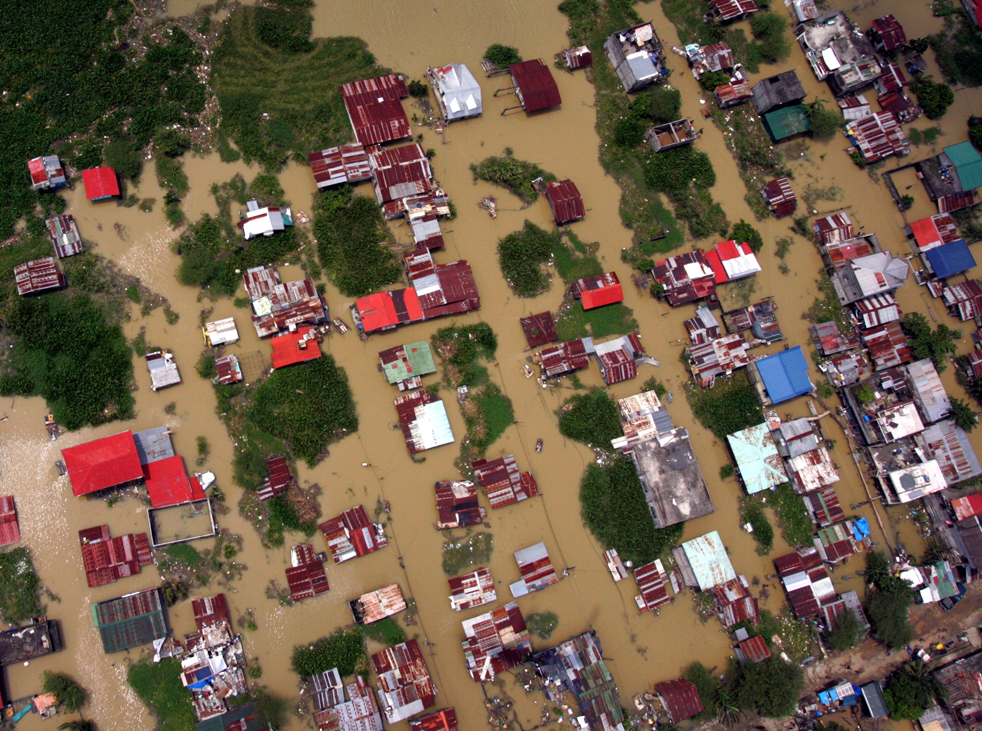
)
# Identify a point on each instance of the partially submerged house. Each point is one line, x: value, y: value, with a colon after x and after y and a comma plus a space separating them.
x: 534, y: 85
x: 405, y: 687
x: 281, y: 306
x: 64, y: 235
x: 163, y: 370
x: 878, y: 136
x: 949, y: 259
x: 536, y: 571
x: 733, y: 93
x: 332, y: 713
x: 685, y: 278
x: 565, y: 202
x: 456, y: 90
x: 40, y: 275
x: 495, y: 642
x: 777, y: 91
x: 597, y: 291
x: 887, y: 35
x: 708, y: 59
x: 424, y: 422
x: 377, y: 605
x: 306, y: 577
x: 229, y: 370
x: 405, y: 365
x: 578, y: 58
x: 732, y: 10
x: 353, y: 534
x: 779, y: 197
x: 871, y: 275
x: 673, y: 134
x: 619, y: 358
x: 375, y: 109
x: 680, y: 699
x: 299, y: 346
x: 102, y: 463
x: 539, y: 329
x: 107, y: 559
x: 472, y: 590
x: 636, y: 55
x: 950, y: 446
x: 400, y: 172
x: 443, y: 720
x: 457, y: 505
x: 730, y: 261
x: 345, y: 164
x: 757, y: 459
x: 560, y: 360
x: 806, y: 582
x: 887, y: 346
x: 952, y: 176
x: 100, y: 183
x: 131, y: 620
x: 47, y: 173
x: 719, y: 357
x: 838, y: 53
x: 278, y: 478
x: 876, y: 310
x: 653, y: 582
x: 780, y: 377
x: 9, y: 525
x: 503, y: 482
x: 168, y: 483
x: 759, y: 318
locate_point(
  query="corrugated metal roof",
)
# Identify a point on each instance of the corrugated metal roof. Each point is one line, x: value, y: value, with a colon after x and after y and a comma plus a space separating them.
x: 130, y: 621
x: 537, y: 89
x: 442, y: 720
x: 755, y: 649
x: 424, y: 422
x: 878, y: 136
x: 295, y: 347
x: 407, y: 361
x: 652, y: 582
x: 785, y: 374
x: 732, y: 9
x: 787, y: 122
x: 472, y: 590
x: 779, y: 196
x: 950, y: 259
x: 823, y: 505
x: 968, y: 164
x: 100, y: 183
x: 278, y: 478
x: 106, y: 559
x: 168, y: 483
x: 375, y: 110
x: 503, y: 482
x: 306, y: 577
x: 680, y: 699
x: 163, y: 370
x: 565, y: 201
x: 228, y: 369
x: 685, y: 277
x: 758, y: 462
x: 340, y: 165
x: 952, y: 448
x: 64, y: 235
x: 564, y: 358
x: 708, y: 560
x: 495, y: 642
x: 877, y: 310
x: 536, y: 569
x: 887, y: 346
x: 457, y: 505
x: 457, y: 91
x: 887, y: 34
x: 39, y: 275
x: 102, y: 463
x: 539, y: 329
x: 352, y: 534
x: 378, y: 604
x: 405, y: 688
x: 400, y: 172
x: 9, y: 527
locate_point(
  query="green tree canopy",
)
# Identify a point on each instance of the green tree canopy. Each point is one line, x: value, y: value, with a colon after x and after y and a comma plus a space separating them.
x: 591, y: 418
x: 932, y: 97
x: 963, y: 415
x: 770, y: 688
x: 743, y: 232
x: 769, y: 32
x: 657, y: 105
x: 926, y: 343
x: 911, y: 690
x: 502, y: 56
x: 709, y: 81
x: 69, y: 694
x: 845, y: 633
x: 824, y: 122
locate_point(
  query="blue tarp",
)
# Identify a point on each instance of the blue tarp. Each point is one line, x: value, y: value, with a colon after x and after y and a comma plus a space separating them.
x: 785, y: 375
x: 950, y: 259
x: 860, y: 529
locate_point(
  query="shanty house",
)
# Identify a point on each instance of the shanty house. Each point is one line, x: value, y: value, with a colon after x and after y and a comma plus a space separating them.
x: 578, y: 58
x: 733, y: 94
x: 779, y: 197
x: 867, y: 276
x: 102, y: 463
x: 376, y: 605
x: 472, y: 590
x: 405, y: 687
x: 306, y: 577
x: 163, y: 370
x: 719, y: 357
x: 375, y: 109
x: 503, y: 482
x: 278, y: 305
x: 597, y: 291
x: 565, y: 202
x: 107, y: 559
x: 685, y: 278
x: 636, y: 55
x: 757, y: 459
x: 780, y: 377
x: 400, y: 172
x: 887, y: 35
x: 457, y: 505
x: 229, y: 370
x: 47, y: 173
x: 441, y: 289
x: 64, y: 235
x: 673, y: 134
x: 878, y: 136
x: 264, y: 221
x: 887, y: 346
x: 353, y: 534
x: 730, y: 10
x: 778, y: 91
x: 332, y: 713
x: 536, y: 570
x: 680, y: 699
x: 950, y: 446
x: 787, y: 122
x: 559, y: 360
x: 442, y: 720
x: 40, y: 275
x: 278, y: 478
x: 707, y: 59
x: 220, y: 332
x: 534, y: 85
x: 9, y: 526
x: 424, y: 422
x: 877, y: 310
x: 495, y: 642
x: 457, y: 91
x: 100, y: 183
x: 346, y: 164
x: 619, y: 358
x: 704, y: 562
x: 806, y: 582
x: 130, y: 621
x: 652, y: 584
x: 823, y: 507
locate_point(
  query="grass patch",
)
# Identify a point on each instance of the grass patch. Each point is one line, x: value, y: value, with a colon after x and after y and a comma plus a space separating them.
x: 728, y: 407
x: 282, y: 100
x: 19, y: 587
x: 308, y: 406
x: 542, y: 625
x: 574, y: 259
x: 752, y: 511
x: 343, y: 649
x: 600, y: 322
x: 522, y: 255
x: 186, y: 554
x: 497, y: 415
x: 159, y: 686
x: 514, y: 175
x: 613, y: 507
x: 792, y: 516
x: 283, y: 516
x: 385, y: 631
x: 590, y: 418
x: 460, y: 554
x: 353, y: 243
x: 958, y: 50
x: 826, y: 307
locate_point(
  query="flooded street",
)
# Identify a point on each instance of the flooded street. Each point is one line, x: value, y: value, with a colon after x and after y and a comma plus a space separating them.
x: 408, y: 36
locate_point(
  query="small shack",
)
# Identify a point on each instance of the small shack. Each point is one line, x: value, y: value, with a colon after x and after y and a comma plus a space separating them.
x: 731, y: 10
x: 577, y: 58
x: 405, y: 365
x: 340, y: 165
x: 636, y: 55
x: 457, y: 91
x: 64, y: 235
x: 264, y: 221
x: 379, y: 604
x: 733, y: 94
x: 565, y: 201
x: 597, y: 291
x: 47, y: 173
x: 299, y: 346
x: 40, y: 275
x: 777, y: 91
x: 887, y: 35
x: 779, y: 197
x: 787, y: 122
x: 680, y: 699
x: 229, y: 370
x: 536, y: 570
x: 9, y: 526
x: 163, y: 370
x: 100, y: 183
x: 306, y: 577
x: 674, y: 134
x: 534, y: 85
x: 353, y: 534
x: 495, y: 642
x: 220, y: 332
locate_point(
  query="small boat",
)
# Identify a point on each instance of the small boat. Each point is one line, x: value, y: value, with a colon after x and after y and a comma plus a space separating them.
x: 339, y: 325
x: 490, y: 205
x: 527, y: 370
x: 51, y: 426
x: 538, y: 446
x: 60, y: 466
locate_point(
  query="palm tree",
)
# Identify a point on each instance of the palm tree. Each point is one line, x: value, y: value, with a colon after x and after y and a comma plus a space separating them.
x: 729, y: 713
x: 919, y: 672
x: 80, y: 725
x: 716, y: 29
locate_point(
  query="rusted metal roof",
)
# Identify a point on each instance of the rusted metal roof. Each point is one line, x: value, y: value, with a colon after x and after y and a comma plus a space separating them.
x: 442, y: 720
x: 539, y: 329
x: 686, y: 277
x: 823, y: 506
x: 108, y: 559
x: 503, y: 482
x: 735, y: 604
x: 886, y: 34
x: 359, y: 713
x: 779, y: 196
x: 952, y: 448
x: 424, y: 422
x: 352, y: 534
x: 597, y: 291
x: 400, y: 172
x: 877, y: 310
x: 9, y: 527
x: 619, y: 358
x: 812, y: 470
x: 64, y: 235
x: 340, y: 165
x: 210, y: 610
x: 306, y: 576
x: 878, y: 136
x: 565, y: 201
x: 378, y: 604
x: 732, y: 9
x: 887, y: 346
x: 375, y: 109
x: 39, y: 275
x: 719, y: 357
x: 755, y: 649
x: 536, y: 570
x: 733, y: 93
x: 680, y: 698
x: 405, y: 688
x: 704, y: 327
x: 578, y: 58
x: 228, y: 369
x: 457, y: 505
x: 835, y: 543
x: 564, y: 358
x: 278, y: 478
x: 537, y: 89
x: 102, y: 463
x: 472, y: 590
x: 835, y: 227
x: 964, y: 299
x: 806, y: 581
x: 495, y: 642
x: 653, y: 584
x: 706, y: 561
x: 131, y: 620
x: 829, y: 340
x: 427, y: 231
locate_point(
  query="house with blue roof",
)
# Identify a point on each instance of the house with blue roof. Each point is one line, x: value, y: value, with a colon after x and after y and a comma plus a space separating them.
x: 780, y: 377
x: 949, y: 259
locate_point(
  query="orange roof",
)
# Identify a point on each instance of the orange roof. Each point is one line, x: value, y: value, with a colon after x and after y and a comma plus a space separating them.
x: 385, y: 310
x: 603, y: 296
x: 102, y: 463
x: 295, y: 347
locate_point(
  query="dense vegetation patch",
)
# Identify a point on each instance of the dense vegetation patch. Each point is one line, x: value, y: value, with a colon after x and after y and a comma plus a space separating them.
x: 613, y: 507
x: 792, y: 516
x: 352, y: 237
x: 278, y: 91
x: 826, y: 307
x: 932, y: 97
x: 575, y: 259
x: 522, y: 255
x: 308, y: 405
x: 385, y: 631
x: 769, y: 31
x: 752, y: 512
x: 845, y: 634
x: 591, y: 418
x: 19, y: 587
x: 502, y: 56
x: 542, y: 624
x: 512, y: 174
x: 600, y: 322
x: 957, y: 48
x: 927, y: 343
x: 912, y: 689
x: 159, y: 686
x: 888, y: 602
x: 343, y: 649
x: 729, y: 406
x: 770, y: 688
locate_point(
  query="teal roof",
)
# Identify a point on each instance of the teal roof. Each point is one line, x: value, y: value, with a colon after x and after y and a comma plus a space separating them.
x: 709, y: 561
x: 411, y: 359
x: 757, y: 459
x: 968, y: 163
x: 783, y: 123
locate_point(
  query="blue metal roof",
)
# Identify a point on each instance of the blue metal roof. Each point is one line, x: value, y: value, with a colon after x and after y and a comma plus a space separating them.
x: 950, y: 259
x: 785, y: 375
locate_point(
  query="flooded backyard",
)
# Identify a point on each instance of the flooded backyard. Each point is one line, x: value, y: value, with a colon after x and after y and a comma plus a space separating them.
x: 372, y: 464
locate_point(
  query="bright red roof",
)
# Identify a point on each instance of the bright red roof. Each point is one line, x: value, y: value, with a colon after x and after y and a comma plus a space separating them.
x: 388, y: 309
x: 168, y: 483
x: 100, y: 183
x: 719, y: 273
x: 603, y: 296
x: 102, y: 463
x: 9, y: 527
x: 294, y: 347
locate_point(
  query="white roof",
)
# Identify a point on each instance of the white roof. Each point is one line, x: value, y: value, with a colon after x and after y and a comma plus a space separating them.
x: 432, y: 427
x: 831, y: 60
x: 741, y: 266
x: 221, y: 332
x: 459, y: 89
x: 913, y: 483
x: 695, y: 270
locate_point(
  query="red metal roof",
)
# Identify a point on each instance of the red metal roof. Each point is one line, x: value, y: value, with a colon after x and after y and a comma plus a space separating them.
x: 934, y: 231
x: 442, y: 720
x: 878, y: 136
x: 539, y: 329
x: 780, y: 197
x: 102, y: 463
x: 386, y: 310
x: 100, y: 183
x: 457, y: 505
x: 168, y: 483
x: 403, y: 678
x: 108, y: 559
x: 503, y: 482
x: 306, y: 577
x: 733, y: 93
x: 400, y: 172
x: 536, y: 88
x: 680, y: 698
x: 278, y: 478
x: 495, y: 642
x: 653, y: 584
x: 824, y: 506
x: 755, y: 649
x: 472, y: 590
x: 887, y: 346
x: 565, y: 201
x: 39, y: 275
x: 563, y: 358
x: 38, y: 173
x: 210, y: 610
x: 603, y: 289
x: 228, y: 369
x: 686, y: 277
x: 339, y: 165
x: 375, y: 111
x: 298, y: 346
x: 887, y: 34
x: 729, y: 9
x: 9, y: 527
x: 352, y: 534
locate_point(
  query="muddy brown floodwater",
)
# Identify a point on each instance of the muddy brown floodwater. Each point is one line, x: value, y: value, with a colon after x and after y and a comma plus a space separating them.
x: 408, y: 35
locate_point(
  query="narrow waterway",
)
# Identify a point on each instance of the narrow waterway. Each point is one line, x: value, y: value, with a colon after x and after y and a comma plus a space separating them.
x: 409, y: 35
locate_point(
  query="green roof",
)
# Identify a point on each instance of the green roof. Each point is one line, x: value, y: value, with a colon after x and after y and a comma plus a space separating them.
x: 129, y: 621
x: 757, y: 459
x: 406, y: 361
x: 968, y: 163
x: 783, y: 123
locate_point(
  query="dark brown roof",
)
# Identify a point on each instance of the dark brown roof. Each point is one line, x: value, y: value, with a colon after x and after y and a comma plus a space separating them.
x: 565, y: 201
x: 680, y: 698
x: 539, y: 329
x: 536, y: 87
x: 755, y: 649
